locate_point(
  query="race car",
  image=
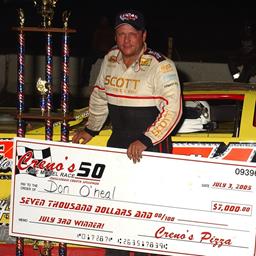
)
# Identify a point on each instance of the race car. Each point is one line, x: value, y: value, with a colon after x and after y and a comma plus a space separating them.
x: 230, y: 128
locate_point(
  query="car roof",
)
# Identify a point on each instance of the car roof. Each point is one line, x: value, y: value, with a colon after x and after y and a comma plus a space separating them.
x: 218, y: 86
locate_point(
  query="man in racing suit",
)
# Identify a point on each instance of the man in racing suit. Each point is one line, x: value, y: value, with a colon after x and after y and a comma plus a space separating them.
x: 140, y: 91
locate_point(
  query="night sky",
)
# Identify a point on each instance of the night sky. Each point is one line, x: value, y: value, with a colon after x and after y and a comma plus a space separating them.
x: 201, y: 30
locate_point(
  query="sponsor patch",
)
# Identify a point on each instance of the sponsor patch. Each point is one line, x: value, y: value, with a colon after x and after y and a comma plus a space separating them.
x: 166, y: 68
x: 112, y: 59
x: 171, y: 84
x: 145, y: 61
x: 157, y: 55
x: 167, y: 78
x: 121, y: 82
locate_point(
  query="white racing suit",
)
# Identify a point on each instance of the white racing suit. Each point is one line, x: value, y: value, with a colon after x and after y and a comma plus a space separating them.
x: 143, y: 101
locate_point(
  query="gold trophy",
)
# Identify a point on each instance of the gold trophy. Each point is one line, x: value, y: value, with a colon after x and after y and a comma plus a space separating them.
x: 65, y: 18
x: 43, y: 87
x: 21, y: 17
x: 46, y: 9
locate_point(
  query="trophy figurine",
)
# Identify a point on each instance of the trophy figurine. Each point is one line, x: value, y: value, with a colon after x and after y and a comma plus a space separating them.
x: 65, y: 18
x: 46, y: 9
x: 43, y: 87
x: 21, y: 17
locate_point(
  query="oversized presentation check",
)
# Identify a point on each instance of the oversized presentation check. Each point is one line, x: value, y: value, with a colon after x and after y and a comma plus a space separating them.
x: 165, y: 204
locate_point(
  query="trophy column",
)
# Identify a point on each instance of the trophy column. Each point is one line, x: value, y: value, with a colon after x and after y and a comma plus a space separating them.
x: 21, y: 124
x: 21, y: 76
x: 65, y: 79
x: 48, y: 77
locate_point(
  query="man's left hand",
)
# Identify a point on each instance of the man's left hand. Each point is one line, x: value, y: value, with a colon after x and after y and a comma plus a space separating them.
x: 134, y: 151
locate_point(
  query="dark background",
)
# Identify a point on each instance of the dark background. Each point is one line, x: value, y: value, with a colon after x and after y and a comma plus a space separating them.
x: 202, y: 31
x: 205, y: 31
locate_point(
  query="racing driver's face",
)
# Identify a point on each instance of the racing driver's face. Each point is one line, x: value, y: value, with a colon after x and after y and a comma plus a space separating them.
x: 130, y: 41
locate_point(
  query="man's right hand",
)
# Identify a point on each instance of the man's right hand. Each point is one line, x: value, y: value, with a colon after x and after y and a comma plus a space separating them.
x: 81, y: 136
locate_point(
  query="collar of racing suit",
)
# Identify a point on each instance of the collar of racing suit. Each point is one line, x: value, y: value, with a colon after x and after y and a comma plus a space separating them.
x: 136, y: 64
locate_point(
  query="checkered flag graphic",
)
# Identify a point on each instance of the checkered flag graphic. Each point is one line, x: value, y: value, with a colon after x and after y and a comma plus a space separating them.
x: 37, y: 154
